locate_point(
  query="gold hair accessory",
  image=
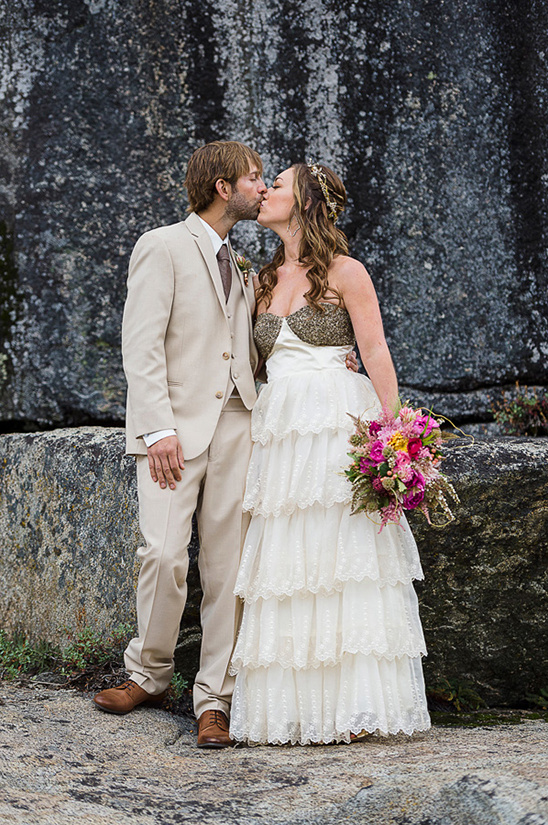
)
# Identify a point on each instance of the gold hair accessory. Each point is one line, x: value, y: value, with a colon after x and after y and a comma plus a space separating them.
x: 322, y: 180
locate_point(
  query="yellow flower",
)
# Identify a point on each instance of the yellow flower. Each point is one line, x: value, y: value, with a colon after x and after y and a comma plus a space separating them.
x: 398, y: 442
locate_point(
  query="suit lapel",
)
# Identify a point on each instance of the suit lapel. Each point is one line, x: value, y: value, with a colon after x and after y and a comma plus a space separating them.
x: 204, y: 245
x: 237, y: 277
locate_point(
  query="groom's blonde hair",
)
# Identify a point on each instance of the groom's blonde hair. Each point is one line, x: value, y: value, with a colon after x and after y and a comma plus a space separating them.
x: 222, y: 159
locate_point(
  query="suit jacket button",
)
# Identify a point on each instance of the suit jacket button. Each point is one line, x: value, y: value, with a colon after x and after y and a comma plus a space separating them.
x: 218, y: 395
x: 226, y: 355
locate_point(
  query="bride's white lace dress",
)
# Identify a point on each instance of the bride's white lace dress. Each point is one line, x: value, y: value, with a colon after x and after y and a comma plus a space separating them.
x: 331, y: 641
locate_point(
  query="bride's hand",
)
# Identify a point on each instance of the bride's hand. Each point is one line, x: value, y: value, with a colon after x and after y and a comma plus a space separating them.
x: 352, y: 362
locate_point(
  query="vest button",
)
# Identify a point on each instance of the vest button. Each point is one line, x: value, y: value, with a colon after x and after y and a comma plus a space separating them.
x: 235, y: 375
x: 218, y: 395
x: 226, y: 355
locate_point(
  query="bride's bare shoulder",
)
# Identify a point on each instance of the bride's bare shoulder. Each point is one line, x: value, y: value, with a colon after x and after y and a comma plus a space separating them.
x: 345, y: 270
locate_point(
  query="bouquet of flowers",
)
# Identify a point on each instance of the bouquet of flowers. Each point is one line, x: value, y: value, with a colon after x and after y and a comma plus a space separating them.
x: 395, y: 462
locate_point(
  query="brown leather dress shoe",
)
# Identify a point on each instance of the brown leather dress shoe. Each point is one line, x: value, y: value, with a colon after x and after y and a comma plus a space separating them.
x: 213, y: 730
x: 359, y: 737
x: 125, y: 697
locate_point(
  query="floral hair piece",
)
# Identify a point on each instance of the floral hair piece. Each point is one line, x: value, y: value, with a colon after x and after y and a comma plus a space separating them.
x: 322, y: 180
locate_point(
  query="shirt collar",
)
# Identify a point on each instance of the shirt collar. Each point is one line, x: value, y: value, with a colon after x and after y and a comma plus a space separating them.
x: 216, y: 239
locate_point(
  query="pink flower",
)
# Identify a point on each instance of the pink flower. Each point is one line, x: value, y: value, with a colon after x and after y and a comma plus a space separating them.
x: 412, y: 500
x: 402, y: 460
x: 403, y: 467
x: 424, y: 425
x: 413, y: 447
x: 406, y: 415
x: 374, y: 428
x: 392, y: 512
x: 376, y: 454
x: 416, y: 481
x: 365, y: 464
x: 377, y: 484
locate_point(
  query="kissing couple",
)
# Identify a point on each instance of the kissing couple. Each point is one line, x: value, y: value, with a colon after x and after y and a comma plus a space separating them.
x: 310, y: 623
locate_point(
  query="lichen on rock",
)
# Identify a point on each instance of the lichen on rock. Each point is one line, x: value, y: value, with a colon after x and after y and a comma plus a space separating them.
x: 69, y: 526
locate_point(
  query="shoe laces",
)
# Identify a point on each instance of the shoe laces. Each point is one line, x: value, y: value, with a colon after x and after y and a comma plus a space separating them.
x: 127, y: 686
x: 218, y: 719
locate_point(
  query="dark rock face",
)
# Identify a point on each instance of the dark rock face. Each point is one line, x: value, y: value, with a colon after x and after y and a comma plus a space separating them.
x: 484, y: 600
x: 68, y: 521
x: 432, y: 112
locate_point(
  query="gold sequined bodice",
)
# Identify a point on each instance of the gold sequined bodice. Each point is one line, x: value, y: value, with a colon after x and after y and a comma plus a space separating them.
x: 331, y: 328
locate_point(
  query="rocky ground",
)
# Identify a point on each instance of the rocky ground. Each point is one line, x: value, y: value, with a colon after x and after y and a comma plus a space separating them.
x: 63, y: 761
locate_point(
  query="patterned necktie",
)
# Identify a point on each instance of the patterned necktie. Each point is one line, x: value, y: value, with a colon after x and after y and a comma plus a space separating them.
x: 223, y: 259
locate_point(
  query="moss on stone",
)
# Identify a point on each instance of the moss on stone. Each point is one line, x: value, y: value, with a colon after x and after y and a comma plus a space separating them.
x: 485, y: 718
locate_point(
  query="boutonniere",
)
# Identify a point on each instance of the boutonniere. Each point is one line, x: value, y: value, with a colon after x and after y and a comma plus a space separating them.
x: 245, y: 267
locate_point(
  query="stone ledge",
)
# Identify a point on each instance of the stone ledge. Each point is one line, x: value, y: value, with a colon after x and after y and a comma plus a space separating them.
x: 484, y: 601
x: 68, y: 521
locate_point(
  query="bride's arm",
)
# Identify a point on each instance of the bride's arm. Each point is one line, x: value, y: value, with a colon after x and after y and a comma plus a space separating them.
x: 358, y: 293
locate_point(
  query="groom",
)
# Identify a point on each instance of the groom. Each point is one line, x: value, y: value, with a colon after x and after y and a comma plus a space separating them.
x: 189, y: 360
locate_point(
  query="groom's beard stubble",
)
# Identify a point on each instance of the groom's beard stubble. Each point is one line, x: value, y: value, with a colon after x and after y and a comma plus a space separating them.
x: 239, y: 208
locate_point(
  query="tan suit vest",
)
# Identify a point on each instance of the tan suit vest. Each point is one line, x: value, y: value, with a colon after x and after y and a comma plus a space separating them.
x: 179, y: 346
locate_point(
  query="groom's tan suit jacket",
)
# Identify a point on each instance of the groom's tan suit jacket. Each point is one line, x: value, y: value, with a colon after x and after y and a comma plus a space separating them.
x: 183, y: 347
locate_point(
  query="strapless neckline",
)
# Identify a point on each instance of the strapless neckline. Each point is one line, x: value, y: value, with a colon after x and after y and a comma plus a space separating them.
x: 329, y: 328
x: 296, y: 311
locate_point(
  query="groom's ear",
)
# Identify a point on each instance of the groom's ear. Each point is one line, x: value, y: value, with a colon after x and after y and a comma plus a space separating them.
x: 223, y: 188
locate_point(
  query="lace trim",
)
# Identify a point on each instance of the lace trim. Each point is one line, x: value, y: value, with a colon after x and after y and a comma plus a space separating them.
x: 418, y: 724
x: 298, y: 472
x: 254, y: 663
x: 288, y: 508
x: 323, y: 589
x: 265, y: 434
x: 272, y: 705
x: 312, y: 402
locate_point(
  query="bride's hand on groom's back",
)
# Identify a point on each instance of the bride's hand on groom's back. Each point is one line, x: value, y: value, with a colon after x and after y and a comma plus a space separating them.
x: 352, y: 362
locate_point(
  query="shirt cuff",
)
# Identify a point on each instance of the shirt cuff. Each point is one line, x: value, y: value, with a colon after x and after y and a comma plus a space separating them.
x: 152, y: 438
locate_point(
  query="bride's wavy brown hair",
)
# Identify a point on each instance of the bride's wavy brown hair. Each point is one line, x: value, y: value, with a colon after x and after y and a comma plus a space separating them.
x: 320, y: 242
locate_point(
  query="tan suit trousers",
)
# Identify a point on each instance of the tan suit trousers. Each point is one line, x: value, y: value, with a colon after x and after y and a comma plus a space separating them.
x: 213, y: 485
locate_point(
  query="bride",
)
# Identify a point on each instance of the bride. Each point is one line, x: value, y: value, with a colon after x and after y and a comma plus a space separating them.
x: 330, y: 643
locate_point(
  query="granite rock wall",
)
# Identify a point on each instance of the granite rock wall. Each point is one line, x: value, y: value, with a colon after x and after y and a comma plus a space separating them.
x: 433, y: 112
x: 68, y: 527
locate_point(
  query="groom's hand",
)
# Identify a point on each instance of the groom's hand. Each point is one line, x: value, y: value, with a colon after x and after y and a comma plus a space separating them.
x: 165, y: 461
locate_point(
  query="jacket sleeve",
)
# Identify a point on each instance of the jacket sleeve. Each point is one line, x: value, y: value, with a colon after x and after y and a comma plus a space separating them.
x: 146, y: 318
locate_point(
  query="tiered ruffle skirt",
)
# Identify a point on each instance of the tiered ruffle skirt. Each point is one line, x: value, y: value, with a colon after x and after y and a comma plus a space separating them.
x: 331, y: 641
